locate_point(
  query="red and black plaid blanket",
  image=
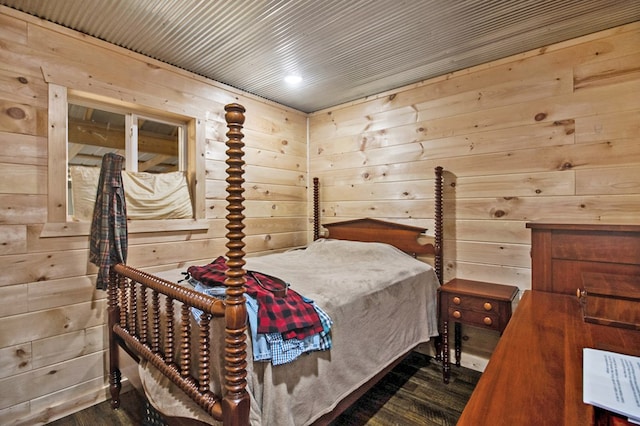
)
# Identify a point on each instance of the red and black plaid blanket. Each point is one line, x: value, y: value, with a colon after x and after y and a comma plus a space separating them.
x: 290, y: 315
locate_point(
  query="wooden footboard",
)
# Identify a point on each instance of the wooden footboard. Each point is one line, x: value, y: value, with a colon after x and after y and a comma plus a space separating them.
x: 144, y: 323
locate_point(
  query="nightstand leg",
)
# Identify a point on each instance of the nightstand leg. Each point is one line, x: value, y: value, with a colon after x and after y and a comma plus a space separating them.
x: 437, y: 345
x: 458, y: 342
x: 445, y: 352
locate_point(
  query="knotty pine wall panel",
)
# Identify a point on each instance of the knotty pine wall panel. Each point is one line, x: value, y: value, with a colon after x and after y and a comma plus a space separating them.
x: 514, y: 136
x: 619, y: 180
x: 63, y: 292
x: 624, y: 125
x: 13, y: 300
x: 520, y: 138
x: 68, y: 346
x: 23, y: 149
x: 15, y: 359
x: 52, y: 337
x: 47, y: 380
x: 22, y: 88
x: 13, y: 239
x: 552, y: 134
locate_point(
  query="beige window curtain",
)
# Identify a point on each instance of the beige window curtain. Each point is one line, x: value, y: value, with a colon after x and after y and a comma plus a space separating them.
x: 148, y: 195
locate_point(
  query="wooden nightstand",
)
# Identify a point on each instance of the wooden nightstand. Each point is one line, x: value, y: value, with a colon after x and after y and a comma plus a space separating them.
x: 474, y: 303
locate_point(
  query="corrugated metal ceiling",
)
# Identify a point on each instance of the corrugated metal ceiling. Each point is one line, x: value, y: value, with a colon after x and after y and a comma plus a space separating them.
x: 343, y: 49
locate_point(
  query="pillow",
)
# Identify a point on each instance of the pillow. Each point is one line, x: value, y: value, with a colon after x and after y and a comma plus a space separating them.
x: 84, y: 185
x: 148, y: 195
x: 157, y: 195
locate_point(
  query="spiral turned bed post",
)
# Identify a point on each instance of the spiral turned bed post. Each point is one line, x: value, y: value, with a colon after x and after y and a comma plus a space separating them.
x: 438, y: 262
x: 316, y: 208
x: 113, y: 312
x: 236, y: 403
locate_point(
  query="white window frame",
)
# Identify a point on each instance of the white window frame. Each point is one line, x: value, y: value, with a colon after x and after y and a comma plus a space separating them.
x: 59, y: 223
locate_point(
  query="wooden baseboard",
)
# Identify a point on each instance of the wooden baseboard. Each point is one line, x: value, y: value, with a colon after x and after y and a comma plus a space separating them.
x: 477, y: 362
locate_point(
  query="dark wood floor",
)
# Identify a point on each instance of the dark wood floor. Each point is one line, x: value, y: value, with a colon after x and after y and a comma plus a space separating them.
x: 411, y: 394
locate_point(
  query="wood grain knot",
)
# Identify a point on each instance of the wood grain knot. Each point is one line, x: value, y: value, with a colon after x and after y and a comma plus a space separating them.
x: 540, y: 116
x: 17, y: 113
x: 566, y: 166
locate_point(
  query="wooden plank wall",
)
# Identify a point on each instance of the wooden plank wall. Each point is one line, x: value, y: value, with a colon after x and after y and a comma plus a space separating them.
x: 552, y: 134
x: 544, y: 135
x: 52, y: 320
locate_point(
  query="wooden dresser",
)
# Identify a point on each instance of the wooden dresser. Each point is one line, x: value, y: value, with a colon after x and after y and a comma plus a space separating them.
x: 535, y: 373
x: 561, y: 253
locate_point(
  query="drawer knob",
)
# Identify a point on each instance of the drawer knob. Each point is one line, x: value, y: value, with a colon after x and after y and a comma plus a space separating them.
x: 487, y: 321
x: 456, y: 300
x: 457, y: 314
x: 487, y: 306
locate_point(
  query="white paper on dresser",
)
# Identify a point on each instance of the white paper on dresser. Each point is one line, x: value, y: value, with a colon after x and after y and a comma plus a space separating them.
x: 612, y: 381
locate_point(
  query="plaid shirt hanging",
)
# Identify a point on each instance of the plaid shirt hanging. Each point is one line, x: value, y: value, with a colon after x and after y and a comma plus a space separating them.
x: 108, y: 241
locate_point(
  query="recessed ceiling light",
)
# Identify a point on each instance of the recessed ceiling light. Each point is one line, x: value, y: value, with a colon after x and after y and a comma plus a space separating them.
x: 293, y: 79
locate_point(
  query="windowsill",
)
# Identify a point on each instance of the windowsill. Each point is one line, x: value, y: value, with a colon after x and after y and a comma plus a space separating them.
x: 74, y: 229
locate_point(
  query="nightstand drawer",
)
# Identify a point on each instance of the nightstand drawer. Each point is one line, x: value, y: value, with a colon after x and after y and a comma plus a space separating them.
x: 473, y: 303
x: 489, y: 320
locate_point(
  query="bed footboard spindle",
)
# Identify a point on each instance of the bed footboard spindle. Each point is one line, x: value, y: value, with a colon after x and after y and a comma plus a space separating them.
x: 438, y: 261
x: 144, y: 319
x: 235, y: 403
x: 134, y: 325
x: 123, y: 284
x: 155, y: 320
x: 204, y: 374
x: 168, y: 334
x: 185, y: 341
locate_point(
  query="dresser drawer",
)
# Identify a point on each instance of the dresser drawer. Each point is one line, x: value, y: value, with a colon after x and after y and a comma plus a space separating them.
x: 613, y: 247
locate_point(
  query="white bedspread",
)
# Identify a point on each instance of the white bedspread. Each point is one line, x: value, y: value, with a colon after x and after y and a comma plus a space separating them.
x: 382, y: 302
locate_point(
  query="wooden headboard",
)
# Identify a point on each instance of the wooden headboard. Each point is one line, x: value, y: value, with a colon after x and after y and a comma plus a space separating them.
x: 404, y: 237
x: 401, y: 236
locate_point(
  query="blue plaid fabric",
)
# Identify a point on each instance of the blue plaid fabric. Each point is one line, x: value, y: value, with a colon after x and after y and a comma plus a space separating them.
x: 281, y: 350
x: 289, y: 314
x: 217, y: 291
x: 108, y: 241
x: 273, y: 346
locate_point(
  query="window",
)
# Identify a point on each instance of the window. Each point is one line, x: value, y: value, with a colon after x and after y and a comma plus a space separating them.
x: 148, y: 144
x: 154, y: 150
x: 159, y: 148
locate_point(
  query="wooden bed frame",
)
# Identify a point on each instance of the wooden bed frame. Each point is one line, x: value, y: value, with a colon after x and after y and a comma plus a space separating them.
x: 135, y: 326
